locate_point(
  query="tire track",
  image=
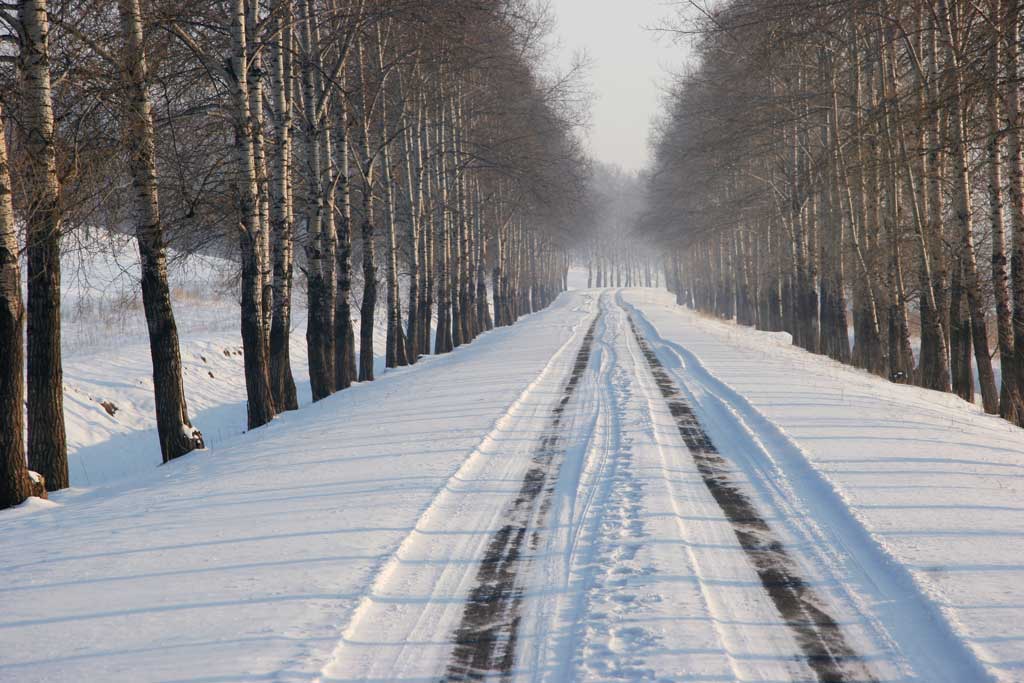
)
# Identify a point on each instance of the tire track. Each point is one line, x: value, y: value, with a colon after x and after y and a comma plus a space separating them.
x: 818, y: 635
x: 377, y: 599
x: 587, y: 558
x: 485, y: 640
x: 897, y: 624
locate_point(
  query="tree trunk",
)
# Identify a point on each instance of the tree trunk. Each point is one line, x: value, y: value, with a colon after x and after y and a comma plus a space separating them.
x: 14, y: 483
x: 935, y: 162
x: 394, y: 352
x: 344, y: 332
x: 281, y: 225
x: 47, y: 443
x: 443, y: 336
x: 413, y: 166
x: 960, y: 337
x: 313, y: 209
x: 257, y: 371
x: 1015, y: 163
x: 934, y: 368
x: 465, y: 291
x: 254, y: 84
x: 1010, y: 406
x: 962, y: 206
x: 329, y: 241
x: 369, y: 304
x: 868, y: 349
x: 484, y: 320
x: 901, y: 357
x: 368, y: 307
x: 176, y: 433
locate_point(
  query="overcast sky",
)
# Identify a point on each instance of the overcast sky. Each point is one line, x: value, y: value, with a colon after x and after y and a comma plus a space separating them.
x: 629, y: 65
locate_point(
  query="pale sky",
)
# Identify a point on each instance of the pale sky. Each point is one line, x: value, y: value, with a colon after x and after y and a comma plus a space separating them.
x: 629, y: 63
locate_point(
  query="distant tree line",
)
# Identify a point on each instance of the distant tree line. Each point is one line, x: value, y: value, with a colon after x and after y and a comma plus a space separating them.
x: 614, y: 251
x: 857, y: 164
x: 316, y: 142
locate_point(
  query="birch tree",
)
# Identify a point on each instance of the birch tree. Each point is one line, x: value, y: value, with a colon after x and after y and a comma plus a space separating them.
x: 176, y: 433
x: 774, y: 185
x: 47, y: 442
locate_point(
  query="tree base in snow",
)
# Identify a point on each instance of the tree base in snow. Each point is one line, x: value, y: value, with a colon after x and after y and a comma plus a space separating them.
x: 36, y: 485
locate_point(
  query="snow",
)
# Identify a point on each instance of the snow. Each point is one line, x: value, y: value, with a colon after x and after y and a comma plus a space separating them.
x: 341, y: 542
x: 247, y: 560
x: 922, y: 489
x: 31, y: 505
x: 107, y: 358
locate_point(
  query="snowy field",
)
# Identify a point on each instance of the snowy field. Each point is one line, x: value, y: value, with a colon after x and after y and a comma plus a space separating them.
x: 609, y: 490
x: 106, y: 356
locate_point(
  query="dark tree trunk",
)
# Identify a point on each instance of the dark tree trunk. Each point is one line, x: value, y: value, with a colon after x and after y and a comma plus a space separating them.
x: 1015, y: 163
x: 47, y: 443
x: 344, y: 343
x: 14, y: 483
x: 960, y: 337
x: 426, y: 302
x: 414, y: 188
x: 394, y: 351
x: 1010, y: 406
x: 369, y: 304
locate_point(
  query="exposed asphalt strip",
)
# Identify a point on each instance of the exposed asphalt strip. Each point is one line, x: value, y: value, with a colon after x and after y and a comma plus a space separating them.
x: 817, y: 633
x: 485, y: 641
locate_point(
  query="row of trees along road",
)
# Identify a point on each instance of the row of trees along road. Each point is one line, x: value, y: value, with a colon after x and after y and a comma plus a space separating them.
x: 324, y: 139
x: 856, y: 157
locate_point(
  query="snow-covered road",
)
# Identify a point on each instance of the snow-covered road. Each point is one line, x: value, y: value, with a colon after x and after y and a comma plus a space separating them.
x: 613, y: 489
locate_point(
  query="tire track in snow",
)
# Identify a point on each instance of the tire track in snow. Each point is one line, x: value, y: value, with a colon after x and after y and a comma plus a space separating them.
x: 913, y: 637
x: 344, y: 662
x: 611, y: 647
x: 578, y: 610
x: 819, y: 636
x: 485, y: 640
